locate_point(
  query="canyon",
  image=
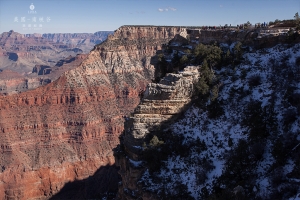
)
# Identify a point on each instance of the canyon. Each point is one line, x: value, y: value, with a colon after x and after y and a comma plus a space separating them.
x: 66, y: 130
x: 22, y: 54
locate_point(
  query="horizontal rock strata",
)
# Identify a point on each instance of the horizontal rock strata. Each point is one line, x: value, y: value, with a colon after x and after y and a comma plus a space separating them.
x: 66, y: 130
x: 161, y: 104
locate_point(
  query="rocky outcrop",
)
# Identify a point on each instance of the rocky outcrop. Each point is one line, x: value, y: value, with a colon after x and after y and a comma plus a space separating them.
x: 66, y: 130
x: 161, y: 104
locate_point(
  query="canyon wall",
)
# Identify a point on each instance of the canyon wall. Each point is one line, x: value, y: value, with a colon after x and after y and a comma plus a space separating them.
x: 66, y: 130
x: 12, y: 82
x: 84, y: 41
x: 161, y: 105
x: 21, y: 52
x: 257, y: 38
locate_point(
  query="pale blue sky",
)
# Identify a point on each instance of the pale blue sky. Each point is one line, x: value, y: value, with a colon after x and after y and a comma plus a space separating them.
x: 78, y: 16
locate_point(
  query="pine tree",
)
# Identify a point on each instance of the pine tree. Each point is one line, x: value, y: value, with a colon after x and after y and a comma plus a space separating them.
x: 175, y: 61
x: 162, y: 67
x: 297, y: 19
x: 155, y: 141
x: 238, y: 51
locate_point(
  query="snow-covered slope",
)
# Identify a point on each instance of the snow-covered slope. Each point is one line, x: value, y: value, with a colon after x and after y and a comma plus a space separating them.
x: 250, y: 150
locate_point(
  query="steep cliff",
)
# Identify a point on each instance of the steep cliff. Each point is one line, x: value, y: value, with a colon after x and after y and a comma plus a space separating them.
x: 161, y: 105
x: 257, y: 38
x: 83, y: 41
x: 12, y: 82
x: 21, y: 53
x: 66, y: 130
x: 238, y: 140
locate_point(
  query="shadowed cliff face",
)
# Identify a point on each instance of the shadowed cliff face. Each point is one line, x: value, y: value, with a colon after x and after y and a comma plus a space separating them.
x: 162, y: 104
x: 66, y: 130
x: 102, y: 184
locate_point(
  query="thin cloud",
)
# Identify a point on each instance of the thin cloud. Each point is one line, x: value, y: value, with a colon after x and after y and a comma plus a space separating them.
x: 166, y: 9
x: 221, y: 6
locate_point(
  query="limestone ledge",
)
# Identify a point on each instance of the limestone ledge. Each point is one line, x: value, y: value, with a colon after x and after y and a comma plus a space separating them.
x: 161, y: 102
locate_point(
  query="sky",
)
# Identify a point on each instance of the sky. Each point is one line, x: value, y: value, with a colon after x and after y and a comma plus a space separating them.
x: 89, y: 16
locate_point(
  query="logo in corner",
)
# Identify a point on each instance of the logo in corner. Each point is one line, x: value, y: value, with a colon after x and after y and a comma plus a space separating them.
x: 31, y: 6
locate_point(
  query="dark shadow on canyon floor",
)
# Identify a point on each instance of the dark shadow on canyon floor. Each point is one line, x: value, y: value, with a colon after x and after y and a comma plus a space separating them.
x: 102, y: 185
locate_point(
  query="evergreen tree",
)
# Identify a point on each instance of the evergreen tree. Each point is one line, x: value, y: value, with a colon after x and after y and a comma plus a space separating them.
x: 162, y: 67
x: 205, y: 80
x: 297, y: 19
x: 183, y: 61
x: 227, y: 58
x: 154, y: 142
x: 175, y: 61
x: 210, y: 53
x: 238, y: 52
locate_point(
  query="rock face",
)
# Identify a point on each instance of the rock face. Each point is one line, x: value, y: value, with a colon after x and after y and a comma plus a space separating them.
x: 33, y: 58
x: 252, y: 37
x: 66, y: 130
x: 12, y: 82
x: 83, y: 41
x: 21, y: 52
x: 161, y: 104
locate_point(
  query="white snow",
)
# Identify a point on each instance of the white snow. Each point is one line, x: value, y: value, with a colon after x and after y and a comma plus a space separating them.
x: 216, y: 133
x: 135, y: 163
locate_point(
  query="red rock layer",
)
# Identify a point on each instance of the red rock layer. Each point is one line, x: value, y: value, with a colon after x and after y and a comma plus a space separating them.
x: 66, y: 130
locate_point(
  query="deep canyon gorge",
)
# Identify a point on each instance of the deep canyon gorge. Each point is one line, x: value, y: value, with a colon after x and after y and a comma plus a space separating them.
x: 66, y: 130
x: 88, y: 133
